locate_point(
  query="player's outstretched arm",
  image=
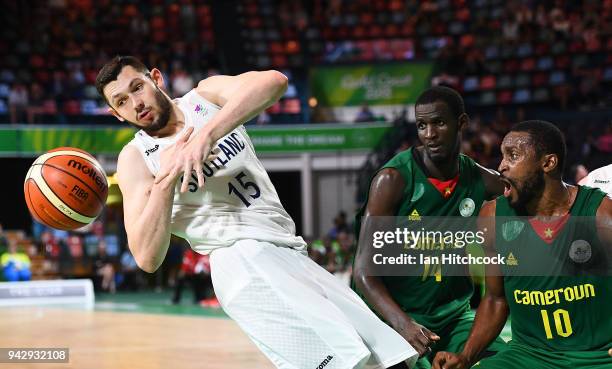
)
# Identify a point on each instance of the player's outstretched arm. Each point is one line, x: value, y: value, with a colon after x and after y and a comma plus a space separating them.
x: 241, y: 98
x: 383, y: 200
x: 492, y: 311
x: 147, y: 206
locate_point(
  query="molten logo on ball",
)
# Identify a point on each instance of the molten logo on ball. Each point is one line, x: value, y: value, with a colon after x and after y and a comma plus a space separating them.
x: 100, y: 182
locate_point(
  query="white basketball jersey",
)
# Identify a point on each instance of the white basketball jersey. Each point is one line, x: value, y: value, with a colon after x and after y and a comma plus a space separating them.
x: 238, y: 200
x: 601, y: 178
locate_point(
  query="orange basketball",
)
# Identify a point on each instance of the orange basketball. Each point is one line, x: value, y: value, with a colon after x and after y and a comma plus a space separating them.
x: 65, y: 188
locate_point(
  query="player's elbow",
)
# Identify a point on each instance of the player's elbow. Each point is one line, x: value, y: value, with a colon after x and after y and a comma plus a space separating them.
x: 147, y: 264
x: 361, y: 280
x: 279, y: 80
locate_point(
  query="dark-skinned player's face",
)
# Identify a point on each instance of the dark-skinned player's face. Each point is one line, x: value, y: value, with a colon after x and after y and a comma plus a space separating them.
x: 438, y: 130
x: 520, y: 169
x: 136, y: 98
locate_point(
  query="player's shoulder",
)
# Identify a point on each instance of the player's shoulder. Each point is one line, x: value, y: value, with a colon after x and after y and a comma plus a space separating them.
x: 129, y: 151
x: 130, y: 160
x: 401, y: 159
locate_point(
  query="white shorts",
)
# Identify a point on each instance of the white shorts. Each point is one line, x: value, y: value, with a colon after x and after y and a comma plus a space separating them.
x: 299, y: 315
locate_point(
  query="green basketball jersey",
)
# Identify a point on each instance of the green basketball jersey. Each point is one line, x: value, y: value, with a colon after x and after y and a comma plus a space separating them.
x: 555, y: 302
x: 433, y: 299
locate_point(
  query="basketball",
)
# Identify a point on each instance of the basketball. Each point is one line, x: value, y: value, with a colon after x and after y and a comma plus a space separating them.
x: 65, y: 188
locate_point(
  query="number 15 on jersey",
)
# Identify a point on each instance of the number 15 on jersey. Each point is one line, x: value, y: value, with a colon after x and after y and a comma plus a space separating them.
x: 245, y: 189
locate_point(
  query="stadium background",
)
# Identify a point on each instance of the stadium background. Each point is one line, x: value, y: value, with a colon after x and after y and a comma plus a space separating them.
x: 355, y: 69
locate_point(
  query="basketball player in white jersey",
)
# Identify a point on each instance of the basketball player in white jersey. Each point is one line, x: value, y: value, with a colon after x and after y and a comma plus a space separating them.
x: 599, y: 178
x: 298, y: 314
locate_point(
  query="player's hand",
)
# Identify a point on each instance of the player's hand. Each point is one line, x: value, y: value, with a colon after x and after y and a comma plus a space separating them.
x: 448, y: 360
x: 171, y: 159
x: 195, y: 152
x: 418, y: 336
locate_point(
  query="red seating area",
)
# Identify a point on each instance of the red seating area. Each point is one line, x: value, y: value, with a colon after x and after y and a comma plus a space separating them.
x: 475, y: 44
x: 493, y: 51
x: 58, y: 45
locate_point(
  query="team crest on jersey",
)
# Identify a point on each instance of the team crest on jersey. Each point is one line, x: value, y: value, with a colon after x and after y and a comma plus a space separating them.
x: 580, y: 251
x: 201, y: 110
x: 467, y: 207
x: 418, y: 192
x: 512, y: 229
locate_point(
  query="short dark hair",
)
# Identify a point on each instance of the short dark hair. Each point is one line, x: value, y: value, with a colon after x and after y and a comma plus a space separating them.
x: 547, y: 139
x: 445, y: 94
x: 111, y: 70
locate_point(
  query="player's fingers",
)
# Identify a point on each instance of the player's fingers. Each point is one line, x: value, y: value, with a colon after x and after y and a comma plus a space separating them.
x: 199, y: 172
x: 213, y: 154
x: 186, y: 176
x: 424, y: 339
x: 439, y: 360
x: 430, y: 335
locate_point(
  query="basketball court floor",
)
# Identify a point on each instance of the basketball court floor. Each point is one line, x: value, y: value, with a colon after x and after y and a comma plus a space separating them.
x: 131, y: 335
x: 133, y: 331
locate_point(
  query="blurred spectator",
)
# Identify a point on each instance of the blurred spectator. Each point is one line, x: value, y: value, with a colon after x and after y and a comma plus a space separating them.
x: 132, y: 278
x: 343, y: 256
x: 18, y: 102
x: 181, y: 82
x: 604, y: 143
x: 365, y: 114
x: 15, y: 264
x: 3, y: 240
x: 263, y: 118
x: 195, y: 269
x: 340, y: 225
x: 104, y: 268
x: 577, y: 173
x: 36, y: 104
x: 50, y: 245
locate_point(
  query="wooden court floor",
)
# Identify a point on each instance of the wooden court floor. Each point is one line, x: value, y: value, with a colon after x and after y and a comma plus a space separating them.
x: 114, y: 340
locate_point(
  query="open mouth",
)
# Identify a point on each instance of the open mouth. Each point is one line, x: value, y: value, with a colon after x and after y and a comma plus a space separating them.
x: 434, y: 147
x: 145, y: 114
x: 507, y: 187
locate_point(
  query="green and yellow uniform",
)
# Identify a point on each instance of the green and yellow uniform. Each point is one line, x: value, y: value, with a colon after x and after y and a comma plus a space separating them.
x: 441, y: 304
x: 560, y: 311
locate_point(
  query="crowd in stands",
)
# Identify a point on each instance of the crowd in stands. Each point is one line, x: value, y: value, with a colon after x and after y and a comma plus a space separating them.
x: 495, y: 52
x: 100, y: 252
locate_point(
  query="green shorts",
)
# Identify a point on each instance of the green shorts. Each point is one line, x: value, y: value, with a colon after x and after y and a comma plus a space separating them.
x: 453, y: 337
x: 519, y: 356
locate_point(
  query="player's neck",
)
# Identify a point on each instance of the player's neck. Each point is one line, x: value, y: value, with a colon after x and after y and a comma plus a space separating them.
x: 176, y: 122
x: 556, y: 200
x: 442, y: 170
